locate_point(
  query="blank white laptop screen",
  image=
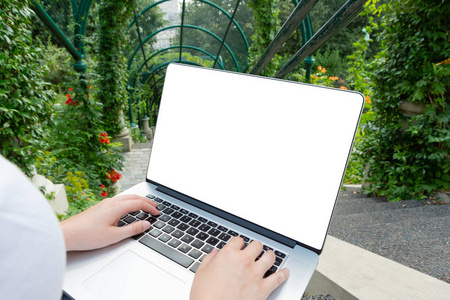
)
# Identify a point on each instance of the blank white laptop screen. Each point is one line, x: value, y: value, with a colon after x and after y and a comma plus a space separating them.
x: 270, y: 151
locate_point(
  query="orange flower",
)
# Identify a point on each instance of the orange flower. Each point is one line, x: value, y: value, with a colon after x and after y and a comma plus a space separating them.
x: 320, y: 68
x: 324, y: 70
x: 90, y: 87
x: 343, y: 88
x: 368, y: 99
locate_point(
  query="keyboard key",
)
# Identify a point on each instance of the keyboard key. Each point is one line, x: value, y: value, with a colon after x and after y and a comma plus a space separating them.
x: 164, y: 238
x: 221, y: 228
x: 175, y: 207
x: 176, y: 215
x: 161, y: 207
x: 167, y: 251
x: 138, y: 236
x: 201, y: 219
x: 195, y: 223
x: 168, y: 229
x: 202, y: 236
x: 204, y: 227
x: 121, y: 223
x: 159, y: 224
x: 134, y: 213
x: 212, y: 241
x: 155, y: 232
x: 267, y: 248
x: 166, y: 203
x: 159, y: 200
x: 150, y: 196
x: 187, y: 238
x: 178, y: 233
x: 192, y: 215
x: 129, y: 219
x: 185, y: 219
x: 195, y: 253
x: 194, y: 267
x: 207, y: 248
x: 280, y: 254
x: 183, y: 226
x: 246, y: 239
x: 233, y: 233
x: 174, y: 243
x: 278, y: 261
x: 220, y: 245
x: 173, y: 222
x: 269, y: 272
x: 212, y: 224
x: 184, y: 248
x: 164, y: 218
x: 168, y: 211
x: 214, y: 232
x: 192, y: 231
x: 224, y: 237
x: 152, y: 219
x: 197, y: 244
x: 142, y: 216
x: 183, y: 211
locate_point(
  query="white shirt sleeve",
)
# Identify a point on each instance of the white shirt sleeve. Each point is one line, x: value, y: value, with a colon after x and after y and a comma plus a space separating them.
x: 32, y: 251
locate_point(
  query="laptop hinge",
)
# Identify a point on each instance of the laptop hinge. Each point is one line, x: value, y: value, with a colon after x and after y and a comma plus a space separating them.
x: 227, y: 216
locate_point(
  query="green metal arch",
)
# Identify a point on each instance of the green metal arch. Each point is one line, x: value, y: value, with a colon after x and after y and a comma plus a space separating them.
x: 206, y: 2
x: 174, y: 47
x: 187, y: 26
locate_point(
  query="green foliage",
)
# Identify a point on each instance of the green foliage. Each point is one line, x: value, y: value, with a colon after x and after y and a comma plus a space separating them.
x: 409, y: 155
x: 112, y: 69
x: 266, y: 27
x: 82, y: 145
x: 25, y: 99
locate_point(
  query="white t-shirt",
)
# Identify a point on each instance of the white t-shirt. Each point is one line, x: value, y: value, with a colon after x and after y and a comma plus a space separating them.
x: 32, y: 251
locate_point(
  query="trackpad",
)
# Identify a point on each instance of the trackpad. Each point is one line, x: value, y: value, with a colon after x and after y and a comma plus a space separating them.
x: 130, y: 276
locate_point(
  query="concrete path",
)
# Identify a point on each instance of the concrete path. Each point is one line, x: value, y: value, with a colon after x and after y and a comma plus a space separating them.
x: 411, y: 233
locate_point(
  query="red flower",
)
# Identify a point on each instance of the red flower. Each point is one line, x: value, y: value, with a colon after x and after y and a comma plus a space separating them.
x: 113, y: 176
x: 104, y: 194
x: 70, y: 89
x: 102, y: 140
x: 104, y: 134
x: 102, y: 186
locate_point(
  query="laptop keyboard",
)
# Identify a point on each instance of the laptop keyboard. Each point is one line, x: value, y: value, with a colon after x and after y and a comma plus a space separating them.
x: 186, y: 237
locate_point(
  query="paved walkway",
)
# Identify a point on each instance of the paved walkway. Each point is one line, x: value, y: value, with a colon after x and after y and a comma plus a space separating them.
x: 413, y: 233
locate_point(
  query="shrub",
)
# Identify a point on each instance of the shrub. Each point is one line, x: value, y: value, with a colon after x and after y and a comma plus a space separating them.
x: 25, y: 99
x: 409, y: 156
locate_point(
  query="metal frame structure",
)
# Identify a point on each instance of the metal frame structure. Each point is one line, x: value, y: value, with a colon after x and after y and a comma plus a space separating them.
x: 299, y: 18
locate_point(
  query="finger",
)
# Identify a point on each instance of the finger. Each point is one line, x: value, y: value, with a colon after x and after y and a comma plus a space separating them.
x: 266, y: 261
x: 130, y: 230
x: 254, y: 249
x: 206, y: 260
x: 236, y: 242
x: 136, y: 204
x: 134, y: 197
x: 275, y: 280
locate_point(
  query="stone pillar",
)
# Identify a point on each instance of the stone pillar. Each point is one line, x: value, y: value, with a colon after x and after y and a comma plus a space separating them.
x: 124, y: 136
x: 146, y: 130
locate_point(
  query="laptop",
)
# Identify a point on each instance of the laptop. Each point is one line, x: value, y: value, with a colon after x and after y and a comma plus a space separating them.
x: 228, y: 148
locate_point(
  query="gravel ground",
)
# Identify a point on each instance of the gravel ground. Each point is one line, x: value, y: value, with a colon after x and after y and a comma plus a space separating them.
x: 413, y: 233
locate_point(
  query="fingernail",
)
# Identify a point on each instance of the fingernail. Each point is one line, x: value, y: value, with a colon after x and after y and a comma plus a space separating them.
x: 145, y: 225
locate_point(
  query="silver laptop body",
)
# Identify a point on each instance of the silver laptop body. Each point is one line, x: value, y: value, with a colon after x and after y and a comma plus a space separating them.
x: 261, y: 157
